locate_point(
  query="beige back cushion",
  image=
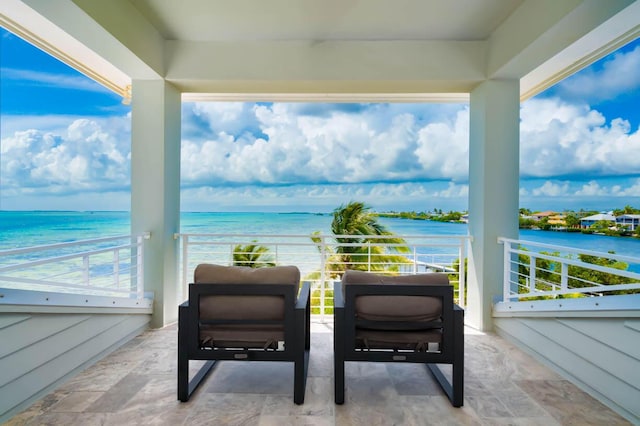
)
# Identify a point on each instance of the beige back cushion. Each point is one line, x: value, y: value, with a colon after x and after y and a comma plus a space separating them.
x: 397, y: 308
x: 244, y: 307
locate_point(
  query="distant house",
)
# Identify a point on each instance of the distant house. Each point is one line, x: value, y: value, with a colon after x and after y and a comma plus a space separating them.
x: 557, y: 220
x: 464, y: 218
x: 540, y: 215
x: 586, y: 222
x: 631, y: 221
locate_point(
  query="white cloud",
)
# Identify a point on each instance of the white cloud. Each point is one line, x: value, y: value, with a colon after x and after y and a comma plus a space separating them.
x: 591, y: 189
x: 561, y: 139
x: 90, y: 155
x: 617, y: 76
x: 46, y: 79
x: 332, y: 146
x: 551, y: 189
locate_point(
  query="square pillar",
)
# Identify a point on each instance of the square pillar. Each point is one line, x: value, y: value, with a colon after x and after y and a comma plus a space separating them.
x: 494, y: 165
x: 155, y: 189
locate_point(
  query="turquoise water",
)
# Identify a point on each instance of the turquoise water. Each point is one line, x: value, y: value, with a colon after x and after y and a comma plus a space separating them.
x: 25, y: 229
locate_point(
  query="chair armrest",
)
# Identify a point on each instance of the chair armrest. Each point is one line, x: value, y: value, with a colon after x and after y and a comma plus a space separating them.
x: 184, y: 305
x: 456, y: 307
x: 338, y: 297
x: 303, y: 298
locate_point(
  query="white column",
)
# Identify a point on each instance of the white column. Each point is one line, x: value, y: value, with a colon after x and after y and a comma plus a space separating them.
x: 493, y: 191
x: 155, y: 189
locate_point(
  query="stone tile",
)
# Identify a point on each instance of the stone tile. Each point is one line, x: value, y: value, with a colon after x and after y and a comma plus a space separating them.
x: 568, y: 404
x: 99, y: 377
x: 370, y: 390
x: 413, y: 379
x: 119, y: 395
x: 76, y: 402
x: 321, y: 359
x: 69, y: 419
x: 390, y: 414
x: 424, y: 410
x: 488, y: 406
x: 318, y: 401
x: 137, y: 385
x: 226, y: 409
x: 266, y: 420
x: 262, y: 377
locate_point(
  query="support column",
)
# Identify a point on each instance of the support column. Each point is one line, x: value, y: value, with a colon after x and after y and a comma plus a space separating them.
x: 494, y: 166
x: 155, y: 189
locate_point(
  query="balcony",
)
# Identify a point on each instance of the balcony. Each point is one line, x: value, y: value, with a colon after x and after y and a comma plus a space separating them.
x: 137, y: 385
x: 504, y: 383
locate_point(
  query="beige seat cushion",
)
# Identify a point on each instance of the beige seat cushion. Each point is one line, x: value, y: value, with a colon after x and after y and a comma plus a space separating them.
x: 252, y: 308
x: 397, y: 308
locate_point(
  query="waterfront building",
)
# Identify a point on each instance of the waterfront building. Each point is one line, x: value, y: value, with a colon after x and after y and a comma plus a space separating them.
x: 588, y: 221
x: 630, y: 221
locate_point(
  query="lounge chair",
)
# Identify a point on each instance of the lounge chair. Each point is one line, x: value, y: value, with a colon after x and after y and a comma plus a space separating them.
x: 399, y: 319
x: 244, y: 314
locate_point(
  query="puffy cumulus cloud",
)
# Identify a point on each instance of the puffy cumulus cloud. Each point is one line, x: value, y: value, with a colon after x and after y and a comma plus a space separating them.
x: 301, y: 144
x: 551, y: 189
x: 615, y: 76
x: 453, y: 191
x: 561, y: 139
x: 593, y: 188
x: 90, y: 155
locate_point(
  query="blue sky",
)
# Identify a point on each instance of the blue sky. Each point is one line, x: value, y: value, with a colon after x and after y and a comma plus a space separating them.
x: 65, y: 144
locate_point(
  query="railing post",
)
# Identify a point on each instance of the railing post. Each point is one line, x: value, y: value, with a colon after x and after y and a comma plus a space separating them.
x: 368, y: 256
x: 507, y: 272
x: 415, y: 260
x: 185, y: 266
x: 140, y: 267
x: 532, y: 273
x: 461, y: 274
x: 323, y: 267
x: 564, y: 277
x: 85, y: 270
x: 116, y: 268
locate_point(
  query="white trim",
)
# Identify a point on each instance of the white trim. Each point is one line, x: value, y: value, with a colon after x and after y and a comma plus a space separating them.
x: 328, y: 97
x: 627, y: 305
x: 15, y: 300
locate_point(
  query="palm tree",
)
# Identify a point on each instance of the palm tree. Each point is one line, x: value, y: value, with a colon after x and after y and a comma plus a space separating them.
x: 357, y: 232
x: 252, y: 255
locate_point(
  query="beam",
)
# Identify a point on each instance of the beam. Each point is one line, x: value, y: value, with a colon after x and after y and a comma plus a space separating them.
x: 113, y: 30
x: 541, y: 29
x: 326, y: 67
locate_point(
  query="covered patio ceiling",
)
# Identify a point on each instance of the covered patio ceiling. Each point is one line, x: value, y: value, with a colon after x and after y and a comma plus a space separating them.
x: 328, y: 50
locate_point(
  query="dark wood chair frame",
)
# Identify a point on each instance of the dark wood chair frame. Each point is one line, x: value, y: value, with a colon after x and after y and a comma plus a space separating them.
x: 296, y: 334
x: 451, y: 347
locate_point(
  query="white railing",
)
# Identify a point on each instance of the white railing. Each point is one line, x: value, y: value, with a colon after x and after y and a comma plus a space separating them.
x: 537, y: 271
x: 319, y: 260
x: 111, y: 266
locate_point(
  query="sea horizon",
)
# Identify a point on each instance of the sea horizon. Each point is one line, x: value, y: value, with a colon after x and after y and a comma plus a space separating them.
x: 32, y: 227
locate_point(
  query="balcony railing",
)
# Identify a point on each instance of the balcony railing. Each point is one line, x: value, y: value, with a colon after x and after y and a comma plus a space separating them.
x: 111, y: 266
x: 323, y: 258
x: 537, y: 271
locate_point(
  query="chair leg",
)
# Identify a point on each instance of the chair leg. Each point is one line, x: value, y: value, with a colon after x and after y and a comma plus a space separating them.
x: 301, y: 366
x: 183, y: 374
x: 338, y: 356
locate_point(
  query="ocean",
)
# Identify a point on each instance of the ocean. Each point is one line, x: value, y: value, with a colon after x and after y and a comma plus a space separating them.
x: 25, y: 229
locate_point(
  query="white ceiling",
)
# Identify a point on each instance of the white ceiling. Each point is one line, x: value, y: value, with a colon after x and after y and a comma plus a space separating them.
x: 224, y: 20
x: 326, y: 49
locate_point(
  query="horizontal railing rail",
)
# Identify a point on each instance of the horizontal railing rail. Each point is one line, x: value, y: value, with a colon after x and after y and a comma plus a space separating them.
x: 323, y: 258
x: 110, y: 266
x: 538, y: 271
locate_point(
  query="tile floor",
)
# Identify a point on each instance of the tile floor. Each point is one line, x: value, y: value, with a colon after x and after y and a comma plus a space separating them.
x: 136, y: 385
